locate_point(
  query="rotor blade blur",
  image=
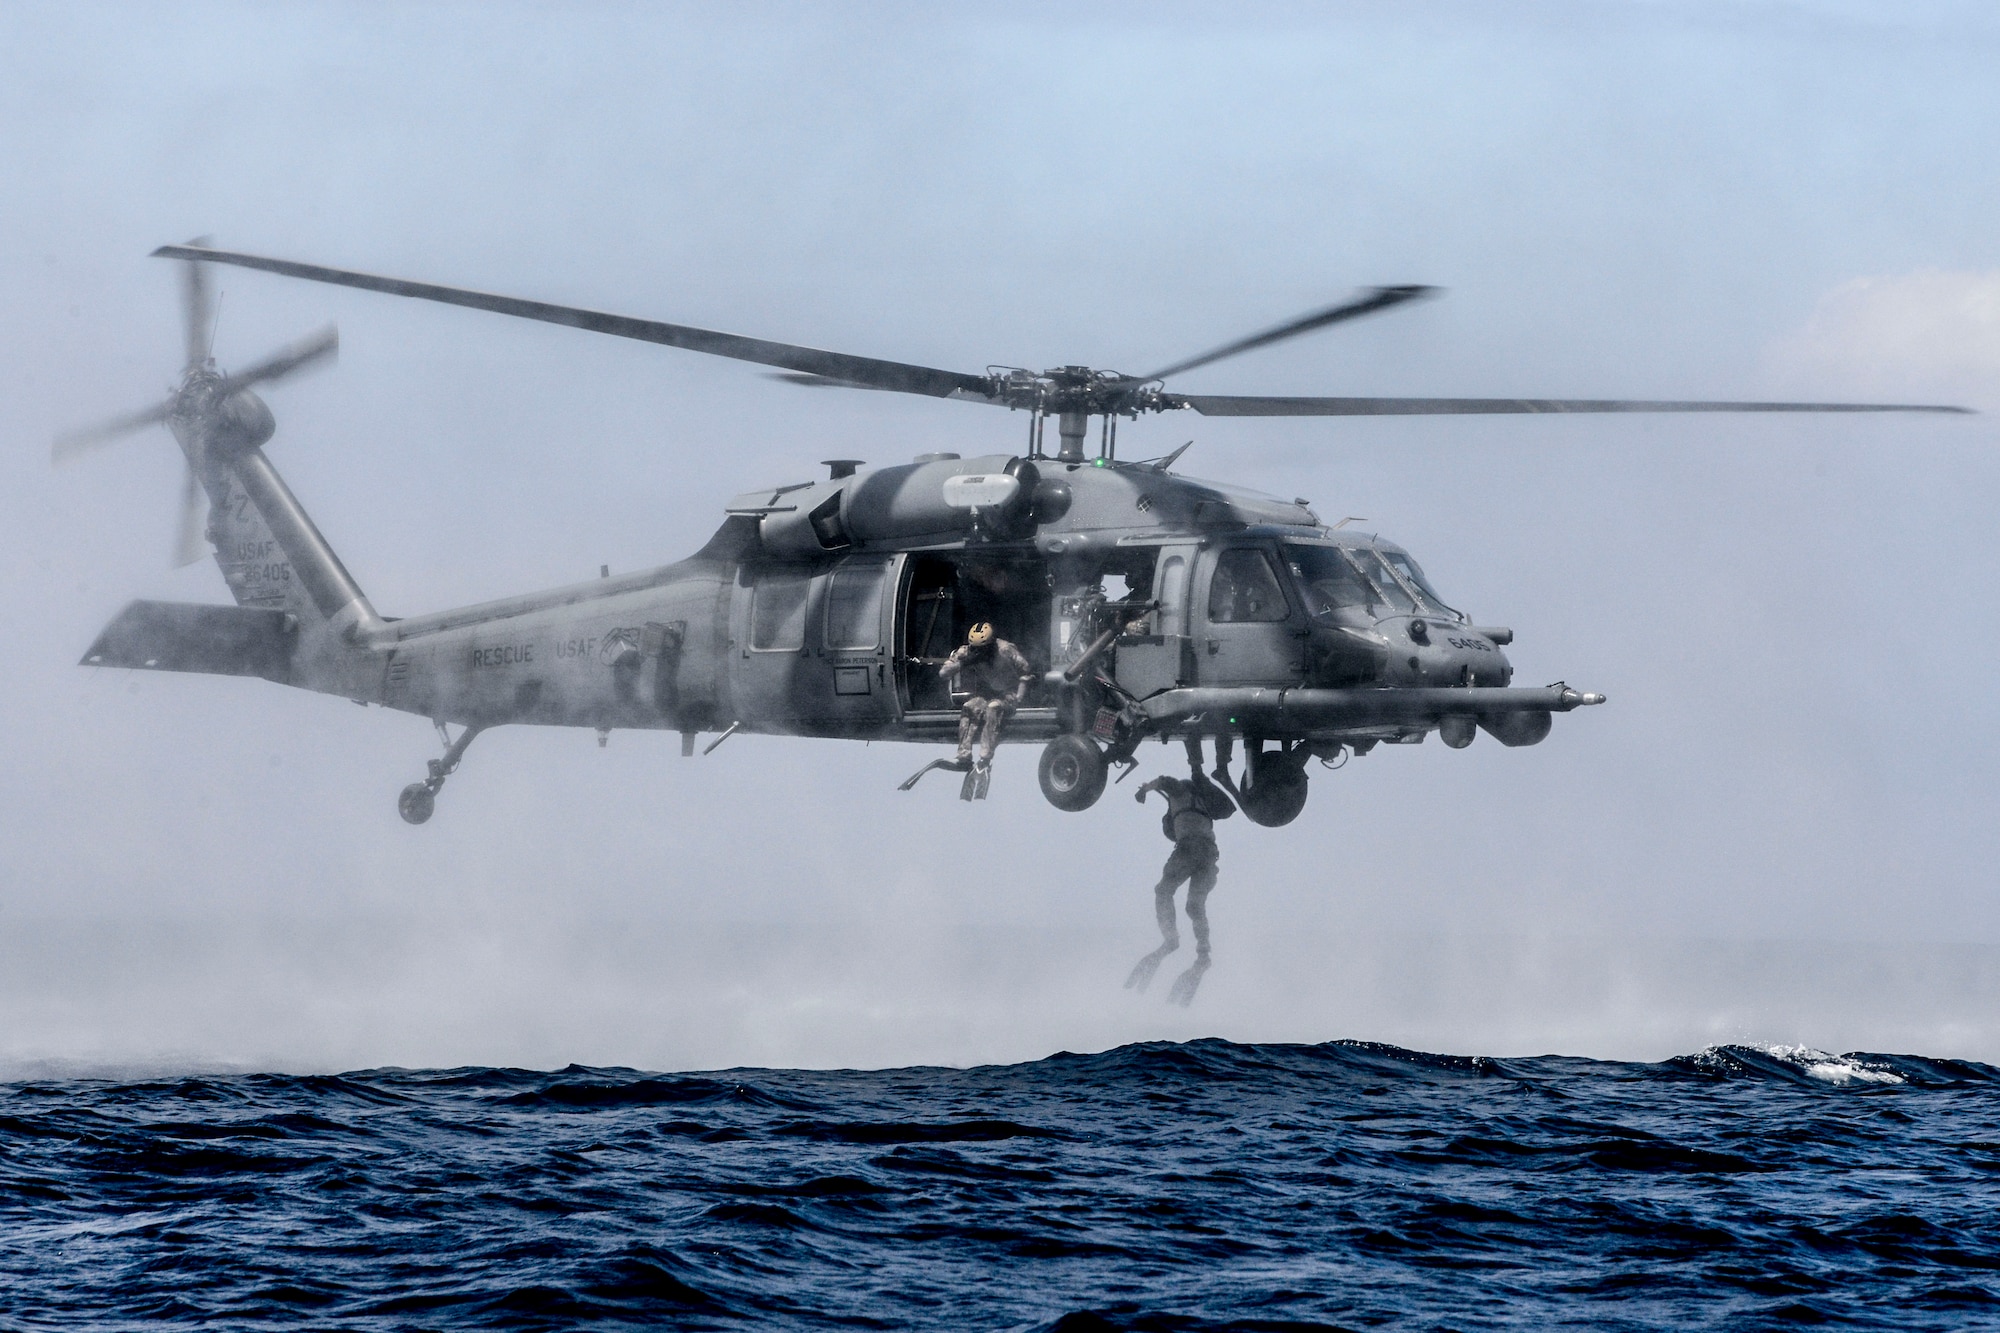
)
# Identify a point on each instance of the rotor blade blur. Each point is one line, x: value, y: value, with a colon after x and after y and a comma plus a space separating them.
x: 197, y: 310
x: 76, y: 443
x: 297, y: 356
x: 980, y: 395
x: 189, y: 543
x: 814, y: 381
x: 858, y: 370
x: 1230, y: 405
x: 1378, y: 298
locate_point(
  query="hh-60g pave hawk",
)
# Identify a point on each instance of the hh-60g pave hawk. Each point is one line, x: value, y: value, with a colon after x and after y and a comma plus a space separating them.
x: 1147, y: 603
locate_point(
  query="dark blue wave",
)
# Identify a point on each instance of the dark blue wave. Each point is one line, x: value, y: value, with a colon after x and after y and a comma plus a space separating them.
x: 1157, y: 1186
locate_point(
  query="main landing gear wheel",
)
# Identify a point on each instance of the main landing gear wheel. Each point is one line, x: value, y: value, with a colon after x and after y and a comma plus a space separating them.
x: 1072, y: 772
x: 1275, y: 791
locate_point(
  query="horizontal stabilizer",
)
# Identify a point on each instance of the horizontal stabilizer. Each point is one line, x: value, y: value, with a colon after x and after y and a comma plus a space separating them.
x: 180, y: 636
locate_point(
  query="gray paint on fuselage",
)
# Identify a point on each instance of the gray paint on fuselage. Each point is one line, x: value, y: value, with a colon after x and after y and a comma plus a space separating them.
x: 554, y: 658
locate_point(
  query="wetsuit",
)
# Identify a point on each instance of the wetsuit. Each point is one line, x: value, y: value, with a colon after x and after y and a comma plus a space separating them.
x: 995, y: 677
x: 1193, y: 862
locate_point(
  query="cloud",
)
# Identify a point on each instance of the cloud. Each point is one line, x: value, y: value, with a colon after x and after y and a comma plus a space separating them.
x: 1931, y: 331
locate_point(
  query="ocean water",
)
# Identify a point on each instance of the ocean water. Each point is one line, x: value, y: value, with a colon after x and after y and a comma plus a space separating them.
x: 1191, y: 1186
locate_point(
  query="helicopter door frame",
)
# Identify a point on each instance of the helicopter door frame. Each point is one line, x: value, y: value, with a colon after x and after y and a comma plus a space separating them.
x: 858, y: 697
x: 1161, y: 659
x: 938, y: 596
x: 924, y: 632
x: 1259, y: 640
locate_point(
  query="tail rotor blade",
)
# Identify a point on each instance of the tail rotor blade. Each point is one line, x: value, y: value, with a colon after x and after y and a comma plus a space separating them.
x: 197, y: 309
x: 285, y: 361
x: 190, y: 544
x: 74, y: 444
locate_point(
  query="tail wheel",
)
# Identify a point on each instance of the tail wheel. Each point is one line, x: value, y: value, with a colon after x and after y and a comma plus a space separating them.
x: 416, y: 803
x: 1072, y: 772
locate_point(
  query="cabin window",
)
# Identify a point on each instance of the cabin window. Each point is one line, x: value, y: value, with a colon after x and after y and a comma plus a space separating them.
x: 854, y: 605
x: 1127, y: 582
x: 1245, y: 588
x: 778, y: 613
x: 1172, y: 591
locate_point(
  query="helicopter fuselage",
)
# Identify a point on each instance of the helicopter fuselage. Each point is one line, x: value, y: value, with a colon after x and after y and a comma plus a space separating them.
x: 1149, y: 605
x: 776, y: 629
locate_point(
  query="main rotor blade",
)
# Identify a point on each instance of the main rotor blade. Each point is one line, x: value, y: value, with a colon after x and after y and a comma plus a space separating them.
x: 189, y: 543
x: 858, y: 370
x: 1231, y: 405
x: 981, y: 395
x: 815, y: 381
x: 1378, y: 298
x: 73, y: 444
x: 197, y: 310
x: 284, y: 361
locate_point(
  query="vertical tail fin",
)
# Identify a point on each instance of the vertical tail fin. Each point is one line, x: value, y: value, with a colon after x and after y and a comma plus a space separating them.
x: 270, y: 552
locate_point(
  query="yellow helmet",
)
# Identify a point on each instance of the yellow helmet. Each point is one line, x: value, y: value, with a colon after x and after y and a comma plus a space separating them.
x: 981, y: 634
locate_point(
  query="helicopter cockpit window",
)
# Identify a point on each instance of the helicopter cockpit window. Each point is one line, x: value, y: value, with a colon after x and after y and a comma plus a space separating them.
x: 1245, y: 588
x: 1396, y: 599
x: 1328, y: 582
x: 1412, y: 575
x: 778, y: 613
x: 854, y: 604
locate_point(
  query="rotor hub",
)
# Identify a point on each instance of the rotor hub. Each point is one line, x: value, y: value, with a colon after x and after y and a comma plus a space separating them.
x: 1073, y: 395
x: 225, y: 421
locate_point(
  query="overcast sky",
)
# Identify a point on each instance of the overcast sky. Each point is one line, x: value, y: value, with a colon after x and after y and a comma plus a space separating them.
x: 1781, y: 827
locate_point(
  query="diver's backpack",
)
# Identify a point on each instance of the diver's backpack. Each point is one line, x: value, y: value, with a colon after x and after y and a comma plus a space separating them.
x: 1207, y: 799
x: 1211, y: 800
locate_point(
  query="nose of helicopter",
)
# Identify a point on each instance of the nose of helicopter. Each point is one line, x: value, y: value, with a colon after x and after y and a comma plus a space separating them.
x: 1425, y: 650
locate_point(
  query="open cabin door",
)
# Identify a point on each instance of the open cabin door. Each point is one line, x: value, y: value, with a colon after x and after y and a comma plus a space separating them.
x: 931, y: 626
x: 941, y: 596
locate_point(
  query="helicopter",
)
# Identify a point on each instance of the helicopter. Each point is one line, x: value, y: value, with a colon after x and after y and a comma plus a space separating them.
x: 1149, y: 604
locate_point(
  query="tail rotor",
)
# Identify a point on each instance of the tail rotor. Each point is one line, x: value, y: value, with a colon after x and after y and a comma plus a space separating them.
x: 212, y: 415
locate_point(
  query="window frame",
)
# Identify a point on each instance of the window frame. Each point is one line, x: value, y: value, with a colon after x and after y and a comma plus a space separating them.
x: 880, y: 570
x: 770, y: 579
x: 1272, y: 568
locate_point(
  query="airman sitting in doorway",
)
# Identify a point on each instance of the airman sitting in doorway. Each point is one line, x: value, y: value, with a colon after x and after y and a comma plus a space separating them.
x: 995, y: 677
